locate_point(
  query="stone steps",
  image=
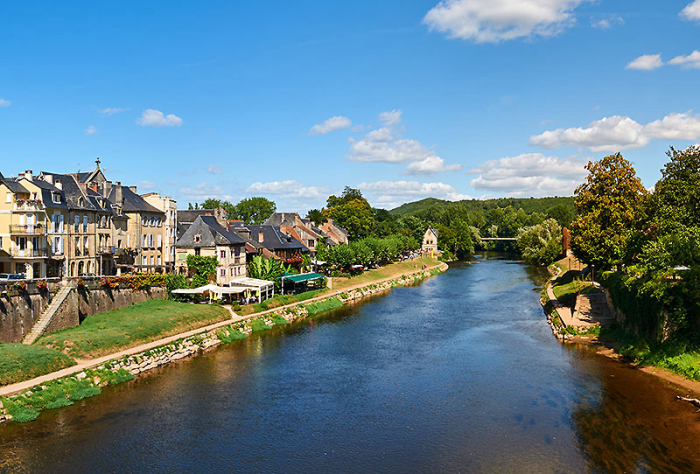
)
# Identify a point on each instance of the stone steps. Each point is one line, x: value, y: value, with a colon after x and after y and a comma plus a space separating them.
x: 45, y: 319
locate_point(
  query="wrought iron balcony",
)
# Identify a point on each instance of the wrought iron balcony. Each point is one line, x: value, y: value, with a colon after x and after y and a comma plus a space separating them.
x: 27, y: 229
x: 24, y: 206
x: 27, y: 253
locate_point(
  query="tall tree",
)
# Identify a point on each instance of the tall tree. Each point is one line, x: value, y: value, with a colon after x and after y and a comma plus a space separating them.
x: 255, y: 210
x: 611, y: 209
x: 316, y: 216
x: 352, y: 212
x: 676, y: 198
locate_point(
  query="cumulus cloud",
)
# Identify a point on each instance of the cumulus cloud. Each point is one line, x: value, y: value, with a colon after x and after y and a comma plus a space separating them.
x: 112, y: 110
x: 430, y: 165
x: 204, y: 191
x: 492, y: 21
x: 91, y: 130
x: 608, y: 22
x: 617, y: 133
x: 608, y: 134
x: 386, y: 145
x: 646, y: 62
x: 213, y: 169
x: 691, y: 11
x: 684, y: 126
x: 5, y: 103
x: 146, y: 185
x: 330, y: 125
x: 156, y: 118
x: 393, y: 193
x: 530, y: 174
x: 691, y: 61
x: 288, y: 189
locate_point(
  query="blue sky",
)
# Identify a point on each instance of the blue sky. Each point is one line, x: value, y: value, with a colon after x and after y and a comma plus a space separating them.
x: 294, y: 100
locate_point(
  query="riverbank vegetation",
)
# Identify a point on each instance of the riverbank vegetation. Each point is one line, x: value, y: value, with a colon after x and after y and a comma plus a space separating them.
x: 120, y: 329
x: 645, y: 245
x: 19, y: 362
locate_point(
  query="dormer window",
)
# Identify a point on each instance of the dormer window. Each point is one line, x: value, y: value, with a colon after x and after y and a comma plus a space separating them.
x: 81, y: 202
x: 198, y: 239
x: 56, y: 198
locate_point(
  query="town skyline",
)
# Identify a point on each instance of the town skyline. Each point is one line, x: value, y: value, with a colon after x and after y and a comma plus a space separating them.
x: 451, y: 100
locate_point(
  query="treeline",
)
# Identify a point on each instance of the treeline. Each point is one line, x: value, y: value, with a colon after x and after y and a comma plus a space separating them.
x: 367, y: 251
x: 647, y: 241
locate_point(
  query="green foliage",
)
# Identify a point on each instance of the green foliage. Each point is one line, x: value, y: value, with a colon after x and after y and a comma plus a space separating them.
x: 278, y: 320
x: 19, y: 362
x: 230, y: 334
x: 611, y: 208
x: 202, y: 269
x: 540, y: 243
x: 264, y: 268
x: 254, y: 210
x: 561, y: 213
x: 316, y: 216
x: 676, y: 199
x: 319, y: 307
x: 175, y: 282
x: 259, y: 325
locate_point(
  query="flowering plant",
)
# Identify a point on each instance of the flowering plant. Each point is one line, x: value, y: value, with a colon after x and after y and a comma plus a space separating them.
x: 20, y: 285
x: 81, y: 282
x: 42, y: 285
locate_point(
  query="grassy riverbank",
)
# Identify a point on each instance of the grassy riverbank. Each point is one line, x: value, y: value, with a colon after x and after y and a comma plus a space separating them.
x: 120, y: 329
x: 388, y: 271
x: 19, y: 362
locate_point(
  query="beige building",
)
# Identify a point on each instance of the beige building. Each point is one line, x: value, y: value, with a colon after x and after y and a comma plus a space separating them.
x: 169, y: 230
x: 430, y: 242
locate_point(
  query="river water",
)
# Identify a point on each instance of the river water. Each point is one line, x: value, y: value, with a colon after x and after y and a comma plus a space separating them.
x: 457, y: 374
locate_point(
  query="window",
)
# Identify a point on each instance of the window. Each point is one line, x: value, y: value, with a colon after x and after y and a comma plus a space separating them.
x: 85, y: 223
x: 143, y: 220
x: 158, y: 260
x: 151, y: 259
x: 223, y: 254
x: 145, y: 260
x: 77, y: 246
x: 103, y: 222
x: 85, y: 244
x: 55, y: 197
x: 197, y: 251
x: 197, y: 238
x: 223, y: 272
x: 77, y: 224
x: 160, y: 241
x: 34, y: 197
x: 143, y: 240
x: 8, y: 198
x: 238, y: 251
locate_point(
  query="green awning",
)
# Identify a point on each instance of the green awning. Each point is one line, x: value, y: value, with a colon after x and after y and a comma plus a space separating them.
x: 303, y: 277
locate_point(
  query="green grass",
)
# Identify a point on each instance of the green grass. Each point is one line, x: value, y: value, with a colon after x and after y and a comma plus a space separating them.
x: 60, y: 393
x: 230, y: 334
x: 590, y: 331
x: 566, y: 287
x: 19, y: 362
x: 279, y: 300
x: 120, y: 329
x: 259, y: 325
x: 279, y: 320
x: 319, y: 307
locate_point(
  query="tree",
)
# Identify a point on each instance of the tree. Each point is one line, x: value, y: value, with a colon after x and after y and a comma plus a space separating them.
x: 464, y: 245
x: 349, y: 194
x: 202, y: 269
x: 316, y: 216
x: 676, y: 198
x: 611, y: 209
x: 541, y: 243
x: 255, y: 210
x: 266, y: 268
x: 355, y: 216
x: 561, y: 213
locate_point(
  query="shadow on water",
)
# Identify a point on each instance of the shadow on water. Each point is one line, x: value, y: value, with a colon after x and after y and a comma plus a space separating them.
x: 457, y: 374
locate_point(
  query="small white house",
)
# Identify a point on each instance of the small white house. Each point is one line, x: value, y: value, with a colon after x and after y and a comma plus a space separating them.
x: 430, y: 242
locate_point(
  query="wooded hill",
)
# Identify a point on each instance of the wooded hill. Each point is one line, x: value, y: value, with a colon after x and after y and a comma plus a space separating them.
x: 529, y: 205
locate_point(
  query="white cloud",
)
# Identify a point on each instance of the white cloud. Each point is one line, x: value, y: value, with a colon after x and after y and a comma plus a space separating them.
x: 608, y: 22
x: 675, y: 127
x: 608, y: 134
x: 691, y: 61
x: 146, y: 185
x: 5, y: 103
x: 113, y: 110
x: 646, y: 62
x: 386, y: 145
x: 213, y: 169
x: 492, y: 21
x: 430, y: 165
x: 91, y: 130
x: 330, y: 125
x: 617, y: 133
x: 288, y: 189
x: 156, y: 118
x: 691, y: 11
x: 530, y: 174
x: 396, y: 192
x: 204, y: 191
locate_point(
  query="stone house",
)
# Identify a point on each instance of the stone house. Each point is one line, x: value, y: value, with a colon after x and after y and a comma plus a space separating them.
x: 430, y: 242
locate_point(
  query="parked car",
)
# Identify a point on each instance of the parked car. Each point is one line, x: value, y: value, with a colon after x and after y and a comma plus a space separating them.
x: 12, y: 276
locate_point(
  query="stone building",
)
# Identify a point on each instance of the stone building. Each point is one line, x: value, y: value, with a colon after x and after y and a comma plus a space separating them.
x: 430, y: 242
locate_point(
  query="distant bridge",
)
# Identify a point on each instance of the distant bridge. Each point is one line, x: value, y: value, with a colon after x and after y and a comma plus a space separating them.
x: 499, y: 239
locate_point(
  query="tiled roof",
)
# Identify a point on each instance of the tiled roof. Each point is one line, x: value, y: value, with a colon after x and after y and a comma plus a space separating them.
x: 274, y: 238
x: 211, y: 232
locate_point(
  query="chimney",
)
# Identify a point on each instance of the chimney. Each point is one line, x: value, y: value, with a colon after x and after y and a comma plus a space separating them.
x: 28, y: 174
x: 106, y: 189
x: 261, y: 238
x: 59, y: 184
x: 133, y: 189
x: 119, y: 195
x: 48, y: 178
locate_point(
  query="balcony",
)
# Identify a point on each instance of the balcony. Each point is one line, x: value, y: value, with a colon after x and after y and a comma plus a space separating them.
x: 27, y: 253
x: 29, y: 229
x: 28, y: 206
x: 106, y: 250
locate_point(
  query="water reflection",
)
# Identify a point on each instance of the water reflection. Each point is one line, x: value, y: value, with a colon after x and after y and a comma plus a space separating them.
x: 459, y: 373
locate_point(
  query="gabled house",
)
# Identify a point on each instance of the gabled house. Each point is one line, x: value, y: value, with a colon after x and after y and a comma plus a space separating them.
x: 274, y: 242
x: 292, y: 224
x: 430, y: 242
x: 207, y: 237
x: 334, y: 234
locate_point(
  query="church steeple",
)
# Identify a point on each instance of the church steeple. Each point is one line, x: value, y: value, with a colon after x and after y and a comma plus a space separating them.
x: 97, y: 162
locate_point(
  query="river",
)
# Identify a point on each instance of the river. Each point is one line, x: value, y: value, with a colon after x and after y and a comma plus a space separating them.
x: 457, y: 374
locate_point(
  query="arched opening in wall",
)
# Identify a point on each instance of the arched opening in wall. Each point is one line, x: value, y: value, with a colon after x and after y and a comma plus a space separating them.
x: 81, y: 268
x: 72, y: 269
x: 88, y: 267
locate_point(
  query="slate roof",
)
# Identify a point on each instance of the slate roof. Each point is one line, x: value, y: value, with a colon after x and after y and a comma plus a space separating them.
x: 191, y: 215
x: 47, y: 191
x: 132, y: 201
x: 274, y: 238
x: 72, y: 191
x: 14, y: 186
x: 212, y: 233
